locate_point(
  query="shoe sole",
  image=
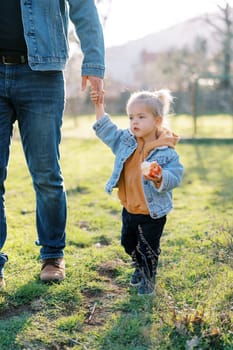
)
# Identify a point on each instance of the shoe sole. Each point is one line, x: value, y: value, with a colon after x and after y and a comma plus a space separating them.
x: 146, y: 294
x: 135, y: 284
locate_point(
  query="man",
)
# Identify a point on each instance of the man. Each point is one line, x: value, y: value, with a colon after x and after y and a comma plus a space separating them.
x: 33, y: 55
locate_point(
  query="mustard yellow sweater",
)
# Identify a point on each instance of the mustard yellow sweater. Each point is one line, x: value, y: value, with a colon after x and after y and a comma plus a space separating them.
x: 130, y: 189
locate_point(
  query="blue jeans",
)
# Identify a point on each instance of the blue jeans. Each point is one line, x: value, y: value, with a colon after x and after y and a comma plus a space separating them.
x: 36, y: 101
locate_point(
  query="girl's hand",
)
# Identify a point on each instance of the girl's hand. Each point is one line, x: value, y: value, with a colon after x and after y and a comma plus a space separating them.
x: 99, y: 106
x: 97, y: 85
x: 95, y: 96
x: 152, y: 171
x: 156, y: 179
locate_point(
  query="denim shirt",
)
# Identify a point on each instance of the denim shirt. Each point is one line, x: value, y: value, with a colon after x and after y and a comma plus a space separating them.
x: 45, y: 25
x: 123, y: 144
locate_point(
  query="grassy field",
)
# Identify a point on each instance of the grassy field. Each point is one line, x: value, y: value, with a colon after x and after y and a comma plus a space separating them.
x: 95, y: 308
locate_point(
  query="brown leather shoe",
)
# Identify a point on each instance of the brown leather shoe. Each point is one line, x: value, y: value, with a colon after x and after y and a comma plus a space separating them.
x: 53, y: 270
x: 2, y: 283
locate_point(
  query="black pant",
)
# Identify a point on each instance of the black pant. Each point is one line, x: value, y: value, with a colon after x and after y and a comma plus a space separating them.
x: 140, y: 237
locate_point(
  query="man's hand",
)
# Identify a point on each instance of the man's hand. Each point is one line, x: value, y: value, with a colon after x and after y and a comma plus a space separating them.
x: 97, y: 85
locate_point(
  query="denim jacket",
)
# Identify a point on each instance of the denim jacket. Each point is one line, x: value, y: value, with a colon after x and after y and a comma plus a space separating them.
x: 45, y: 25
x: 123, y: 144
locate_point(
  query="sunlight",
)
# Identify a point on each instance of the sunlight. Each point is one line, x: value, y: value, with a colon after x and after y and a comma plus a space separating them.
x: 130, y: 20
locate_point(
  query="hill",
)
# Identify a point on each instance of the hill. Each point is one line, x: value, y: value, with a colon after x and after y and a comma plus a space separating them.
x: 121, y: 60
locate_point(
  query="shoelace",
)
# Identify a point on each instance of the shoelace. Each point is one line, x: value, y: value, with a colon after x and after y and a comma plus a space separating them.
x: 53, y: 262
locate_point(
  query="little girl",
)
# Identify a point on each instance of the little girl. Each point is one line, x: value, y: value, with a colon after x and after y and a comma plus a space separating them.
x: 146, y: 200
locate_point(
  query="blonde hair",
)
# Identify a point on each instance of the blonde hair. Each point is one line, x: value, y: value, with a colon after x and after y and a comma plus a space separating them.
x: 159, y: 102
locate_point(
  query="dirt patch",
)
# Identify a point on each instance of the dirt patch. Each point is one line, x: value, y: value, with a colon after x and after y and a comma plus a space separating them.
x: 110, y: 268
x: 99, y: 308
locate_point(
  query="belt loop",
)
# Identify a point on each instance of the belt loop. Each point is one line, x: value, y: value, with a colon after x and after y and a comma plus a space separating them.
x: 4, y: 60
x: 22, y: 59
x: 12, y: 60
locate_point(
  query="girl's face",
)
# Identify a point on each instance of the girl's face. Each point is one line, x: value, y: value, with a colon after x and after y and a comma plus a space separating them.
x: 142, y: 122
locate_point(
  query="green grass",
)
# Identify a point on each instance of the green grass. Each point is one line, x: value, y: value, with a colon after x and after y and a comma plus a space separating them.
x: 218, y: 126
x: 95, y: 308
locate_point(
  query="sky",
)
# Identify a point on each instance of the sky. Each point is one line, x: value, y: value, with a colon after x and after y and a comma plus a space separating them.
x: 134, y: 19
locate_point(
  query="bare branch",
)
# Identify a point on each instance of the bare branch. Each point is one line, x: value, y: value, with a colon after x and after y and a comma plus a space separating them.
x: 212, y: 24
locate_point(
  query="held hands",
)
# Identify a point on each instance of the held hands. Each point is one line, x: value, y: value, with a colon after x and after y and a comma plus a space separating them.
x: 96, y: 94
x: 95, y: 97
x: 97, y: 85
x: 98, y: 99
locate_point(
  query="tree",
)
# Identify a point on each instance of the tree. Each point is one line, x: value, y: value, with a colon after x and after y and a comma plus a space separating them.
x: 223, y: 25
x: 74, y: 104
x: 104, y: 7
x: 173, y: 68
